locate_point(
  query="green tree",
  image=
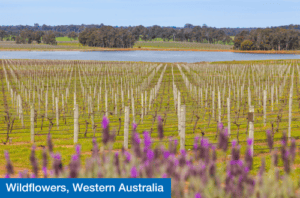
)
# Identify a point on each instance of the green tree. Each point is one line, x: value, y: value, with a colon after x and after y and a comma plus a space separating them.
x: 247, y: 45
x: 72, y: 35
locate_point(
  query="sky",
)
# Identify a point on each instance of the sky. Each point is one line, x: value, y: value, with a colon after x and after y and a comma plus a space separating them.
x: 214, y: 13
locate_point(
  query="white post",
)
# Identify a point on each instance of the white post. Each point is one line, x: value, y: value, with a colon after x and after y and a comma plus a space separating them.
x: 46, y: 104
x: 249, y: 97
x: 32, y: 123
x: 142, y: 103
x: 251, y: 125
x: 182, y: 130
x: 116, y: 105
x: 106, y: 108
x: 132, y: 105
x: 126, y: 127
x: 57, y: 114
x: 272, y: 96
x: 213, y: 103
x: 265, y: 107
x: 228, y: 115
x: 75, y: 99
x: 290, y: 111
x: 76, y: 125
x: 219, y: 106
x: 178, y: 107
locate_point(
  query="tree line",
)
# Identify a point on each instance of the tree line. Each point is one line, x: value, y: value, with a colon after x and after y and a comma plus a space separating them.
x: 66, y: 29
x: 28, y: 36
x: 107, y: 36
x: 189, y: 34
x: 268, y: 39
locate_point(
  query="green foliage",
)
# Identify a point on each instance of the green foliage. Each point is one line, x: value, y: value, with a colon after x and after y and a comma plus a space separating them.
x: 247, y: 45
x: 49, y: 38
x: 107, y: 36
x: 269, y: 39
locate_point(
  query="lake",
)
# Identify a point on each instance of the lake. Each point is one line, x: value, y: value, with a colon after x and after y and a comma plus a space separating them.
x: 146, y: 56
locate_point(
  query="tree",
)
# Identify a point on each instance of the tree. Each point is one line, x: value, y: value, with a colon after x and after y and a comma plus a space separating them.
x: 49, y: 38
x: 3, y: 34
x: 238, y: 39
x: 246, y: 45
x: 107, y: 36
x: 73, y: 35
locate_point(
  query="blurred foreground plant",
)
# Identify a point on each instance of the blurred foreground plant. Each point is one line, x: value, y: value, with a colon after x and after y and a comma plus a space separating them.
x: 193, y: 174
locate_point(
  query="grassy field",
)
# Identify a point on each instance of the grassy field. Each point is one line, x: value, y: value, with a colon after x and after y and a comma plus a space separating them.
x: 180, y: 45
x: 140, y: 45
x: 198, y: 84
x: 65, y: 38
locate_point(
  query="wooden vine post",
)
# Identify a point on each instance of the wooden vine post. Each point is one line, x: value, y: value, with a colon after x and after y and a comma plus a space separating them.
x: 32, y: 123
x: 126, y: 127
x: 182, y: 130
x: 76, y: 124
x: 251, y: 125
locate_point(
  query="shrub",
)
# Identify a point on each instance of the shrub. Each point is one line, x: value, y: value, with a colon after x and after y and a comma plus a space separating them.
x: 247, y: 45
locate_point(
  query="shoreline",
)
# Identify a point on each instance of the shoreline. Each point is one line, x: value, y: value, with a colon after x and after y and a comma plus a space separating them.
x: 159, y: 49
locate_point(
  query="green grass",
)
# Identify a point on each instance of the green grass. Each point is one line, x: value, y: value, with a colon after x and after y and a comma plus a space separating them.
x: 181, y: 45
x: 91, y: 70
x: 65, y: 38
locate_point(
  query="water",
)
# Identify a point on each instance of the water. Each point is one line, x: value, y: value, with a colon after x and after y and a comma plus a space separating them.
x: 146, y: 56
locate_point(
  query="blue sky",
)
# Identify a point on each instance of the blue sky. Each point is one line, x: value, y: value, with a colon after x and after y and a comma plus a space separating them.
x: 216, y: 13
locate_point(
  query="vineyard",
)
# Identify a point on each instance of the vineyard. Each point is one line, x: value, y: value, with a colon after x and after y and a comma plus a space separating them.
x: 68, y: 100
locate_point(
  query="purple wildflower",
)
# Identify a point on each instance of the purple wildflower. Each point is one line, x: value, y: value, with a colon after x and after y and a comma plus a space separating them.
x: 164, y: 175
x: 105, y: 122
x: 127, y: 156
x: 197, y: 195
x: 78, y: 149
x: 150, y: 154
x: 234, y: 143
x: 20, y: 174
x: 136, y: 144
x: 284, y: 139
x: 136, y: 138
x: 160, y: 128
x: 220, y: 126
x: 249, y: 141
x: 117, y: 163
x: 105, y: 133
x: 249, y: 158
x: 133, y: 172
x: 147, y: 140
x: 182, y: 152
x: 74, y: 166
x: 204, y: 142
x: 45, y: 158
x: 49, y: 143
x: 270, y: 140
x: 45, y: 172
x: 57, y: 164
x: 223, y: 140
x: 7, y: 176
x: 166, y: 154
x: 33, y: 161
x: 134, y: 126
x: 95, y: 148
x: 212, y: 170
x: 9, y: 167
